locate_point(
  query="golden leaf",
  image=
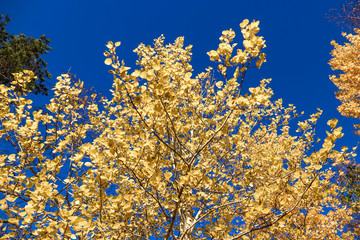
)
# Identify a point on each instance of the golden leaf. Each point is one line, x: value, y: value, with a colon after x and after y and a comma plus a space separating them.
x: 108, y: 61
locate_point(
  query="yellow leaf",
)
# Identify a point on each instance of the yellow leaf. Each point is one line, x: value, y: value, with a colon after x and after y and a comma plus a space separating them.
x: 116, y: 226
x: 22, y: 214
x: 10, y: 198
x: 219, y: 84
x: 247, y: 44
x: 244, y: 23
x: 88, y: 164
x: 317, y: 167
x: 157, y: 67
x: 296, y: 175
x: 168, y: 175
x: 117, y: 44
x: 109, y: 44
x: 127, y: 206
x: 13, y: 221
x: 11, y: 157
x: 108, y: 61
x: 332, y: 123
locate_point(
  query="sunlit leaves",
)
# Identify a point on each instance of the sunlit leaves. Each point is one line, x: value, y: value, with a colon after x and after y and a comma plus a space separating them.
x: 346, y: 59
x: 108, y: 61
x: 332, y: 123
x: 172, y: 155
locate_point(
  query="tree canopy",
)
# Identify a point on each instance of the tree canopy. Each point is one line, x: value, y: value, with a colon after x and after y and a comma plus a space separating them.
x: 19, y: 52
x: 172, y: 155
x: 346, y: 61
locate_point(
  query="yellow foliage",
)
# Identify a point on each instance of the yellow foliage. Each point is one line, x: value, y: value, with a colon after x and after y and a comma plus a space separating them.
x: 172, y: 155
x: 346, y: 58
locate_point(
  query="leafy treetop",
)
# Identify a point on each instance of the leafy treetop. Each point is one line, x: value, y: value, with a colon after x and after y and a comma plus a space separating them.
x: 171, y: 155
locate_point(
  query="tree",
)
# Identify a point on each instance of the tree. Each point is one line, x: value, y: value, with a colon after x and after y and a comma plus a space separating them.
x: 346, y: 59
x: 18, y: 52
x: 347, y: 15
x: 173, y: 155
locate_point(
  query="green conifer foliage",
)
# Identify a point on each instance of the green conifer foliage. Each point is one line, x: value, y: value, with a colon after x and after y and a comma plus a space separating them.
x: 19, y: 52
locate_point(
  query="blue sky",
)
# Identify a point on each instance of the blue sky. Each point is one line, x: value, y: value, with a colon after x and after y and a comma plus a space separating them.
x: 297, y: 35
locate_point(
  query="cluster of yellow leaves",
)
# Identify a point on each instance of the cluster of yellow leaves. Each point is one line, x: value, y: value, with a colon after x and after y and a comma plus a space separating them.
x: 170, y: 156
x: 346, y: 58
x: 252, y: 46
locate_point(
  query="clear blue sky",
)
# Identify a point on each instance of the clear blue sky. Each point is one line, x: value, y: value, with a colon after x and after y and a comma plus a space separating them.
x: 297, y: 35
